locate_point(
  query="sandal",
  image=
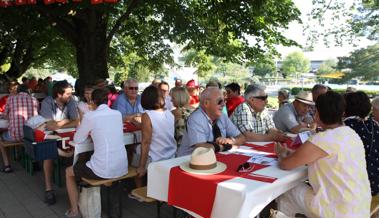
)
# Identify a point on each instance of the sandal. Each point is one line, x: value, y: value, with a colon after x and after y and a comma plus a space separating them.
x: 7, y: 169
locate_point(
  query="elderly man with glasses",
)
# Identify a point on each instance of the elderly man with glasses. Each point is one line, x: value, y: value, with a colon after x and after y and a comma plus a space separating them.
x: 253, y: 120
x: 208, y: 126
x: 129, y: 102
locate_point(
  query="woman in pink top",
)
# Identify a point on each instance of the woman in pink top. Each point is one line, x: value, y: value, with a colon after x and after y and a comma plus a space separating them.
x: 112, y: 95
x: 339, y: 185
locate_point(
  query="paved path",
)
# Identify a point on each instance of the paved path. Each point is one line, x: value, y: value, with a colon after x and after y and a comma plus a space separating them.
x: 21, y: 196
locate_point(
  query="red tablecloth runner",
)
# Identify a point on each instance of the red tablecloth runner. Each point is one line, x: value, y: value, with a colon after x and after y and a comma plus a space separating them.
x: 130, y: 127
x: 67, y: 134
x: 197, y: 192
x: 269, y: 148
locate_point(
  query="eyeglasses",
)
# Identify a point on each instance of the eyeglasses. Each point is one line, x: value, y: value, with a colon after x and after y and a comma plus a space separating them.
x: 243, y: 168
x: 133, y: 88
x: 263, y: 98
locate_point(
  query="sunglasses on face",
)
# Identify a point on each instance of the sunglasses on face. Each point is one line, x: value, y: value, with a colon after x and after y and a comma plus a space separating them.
x: 263, y: 98
x: 245, y: 167
x: 133, y: 88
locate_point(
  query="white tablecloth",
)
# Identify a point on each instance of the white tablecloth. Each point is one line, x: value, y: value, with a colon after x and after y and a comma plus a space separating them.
x: 87, y: 145
x: 3, y: 123
x: 39, y: 95
x: 235, y: 198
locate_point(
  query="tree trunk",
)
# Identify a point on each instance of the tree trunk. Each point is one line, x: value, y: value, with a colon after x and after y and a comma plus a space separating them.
x: 91, y: 46
x: 22, y: 58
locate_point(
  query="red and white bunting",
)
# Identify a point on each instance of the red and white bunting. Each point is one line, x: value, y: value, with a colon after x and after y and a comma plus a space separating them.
x: 6, y: 3
x: 48, y: 2
x: 21, y: 2
x: 94, y: 2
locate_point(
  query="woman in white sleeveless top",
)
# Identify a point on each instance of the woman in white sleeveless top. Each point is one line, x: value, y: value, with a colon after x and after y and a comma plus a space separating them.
x: 158, y: 142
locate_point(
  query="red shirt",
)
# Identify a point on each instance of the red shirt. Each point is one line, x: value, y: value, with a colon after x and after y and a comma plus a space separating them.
x: 232, y: 103
x: 20, y: 108
x: 194, y: 99
x: 39, y: 136
x: 112, y: 98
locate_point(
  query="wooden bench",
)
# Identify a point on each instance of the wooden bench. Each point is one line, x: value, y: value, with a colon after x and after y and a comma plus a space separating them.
x: 374, y: 213
x: 141, y: 193
x: 12, y: 144
x: 132, y: 172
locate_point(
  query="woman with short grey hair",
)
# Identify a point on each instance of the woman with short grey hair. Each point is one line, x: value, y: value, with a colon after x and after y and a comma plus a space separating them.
x: 283, y: 97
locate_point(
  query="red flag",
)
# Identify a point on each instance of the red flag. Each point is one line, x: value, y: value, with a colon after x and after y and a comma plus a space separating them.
x: 94, y: 2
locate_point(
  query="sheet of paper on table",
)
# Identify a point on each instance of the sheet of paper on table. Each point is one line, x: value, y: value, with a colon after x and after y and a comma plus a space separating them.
x: 245, y: 150
x: 263, y: 159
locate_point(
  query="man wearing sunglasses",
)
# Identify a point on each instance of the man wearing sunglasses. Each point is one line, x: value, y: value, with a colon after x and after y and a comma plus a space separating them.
x: 129, y: 102
x: 208, y: 126
x: 295, y: 117
x: 253, y: 120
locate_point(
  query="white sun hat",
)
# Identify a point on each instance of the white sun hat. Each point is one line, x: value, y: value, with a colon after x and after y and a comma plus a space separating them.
x: 203, y: 162
x: 305, y: 97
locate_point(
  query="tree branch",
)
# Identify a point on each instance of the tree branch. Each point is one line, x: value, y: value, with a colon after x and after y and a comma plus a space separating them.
x: 62, y: 25
x: 132, y: 5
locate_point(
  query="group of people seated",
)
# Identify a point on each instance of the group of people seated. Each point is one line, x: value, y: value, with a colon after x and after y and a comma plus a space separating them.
x: 174, y: 122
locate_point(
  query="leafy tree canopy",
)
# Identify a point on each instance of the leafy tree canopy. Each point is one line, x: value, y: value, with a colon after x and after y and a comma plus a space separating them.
x: 266, y: 68
x: 328, y: 66
x: 295, y: 63
x: 362, y: 63
x: 349, y: 20
x: 215, y: 68
x: 100, y: 35
x: 205, y: 64
x: 27, y: 40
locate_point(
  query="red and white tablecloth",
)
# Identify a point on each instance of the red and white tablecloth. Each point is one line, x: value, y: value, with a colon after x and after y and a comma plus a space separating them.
x: 234, y: 195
